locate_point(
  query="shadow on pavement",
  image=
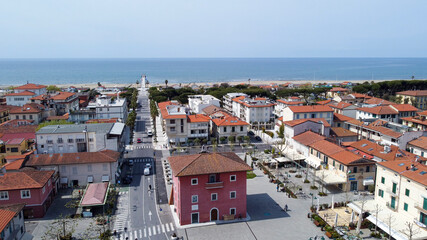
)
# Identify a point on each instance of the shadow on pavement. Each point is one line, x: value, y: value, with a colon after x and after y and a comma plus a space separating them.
x: 262, y: 206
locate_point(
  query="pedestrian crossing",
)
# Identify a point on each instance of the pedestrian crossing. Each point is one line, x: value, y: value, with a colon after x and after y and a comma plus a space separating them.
x: 142, y: 160
x: 148, y: 231
x: 143, y: 146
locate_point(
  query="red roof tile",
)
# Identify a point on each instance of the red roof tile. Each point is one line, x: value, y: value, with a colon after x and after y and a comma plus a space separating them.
x: 104, y: 156
x: 15, y: 165
x: 415, y: 93
x: 30, y: 86
x: 309, y: 137
x: 324, y: 102
x: 405, y: 168
x: 229, y: 121
x: 378, y: 110
x: 341, y: 118
x: 404, y: 107
x: 198, y: 118
x: 165, y: 114
x: 312, y: 108
x: 378, y: 101
x: 207, y: 163
x: 420, y: 142
x: 339, y: 89
x: 24, y: 180
x: 5, y: 217
x: 62, y: 96
x: 292, y: 123
x: 95, y: 194
x: 326, y: 147
x: 342, y: 132
x: 346, y: 157
x: 24, y: 93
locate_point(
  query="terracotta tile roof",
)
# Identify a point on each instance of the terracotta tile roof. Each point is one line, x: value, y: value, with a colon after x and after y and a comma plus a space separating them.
x: 308, y: 137
x: 417, y: 172
x: 18, y: 157
x: 404, y: 107
x: 378, y: 110
x: 415, y: 93
x: 104, y: 156
x: 15, y: 165
x: 339, y: 89
x: 198, y: 118
x: 312, y: 108
x: 292, y: 123
x: 229, y: 121
x: 358, y: 95
x: 341, y: 105
x: 346, y: 157
x: 415, y: 120
x: 420, y: 142
x: 17, y: 122
x: 326, y: 147
x: 40, y: 97
x: 27, y: 108
x: 19, y: 129
x: 30, y: 86
x: 290, y: 102
x: 207, y: 163
x: 211, y: 109
x: 24, y: 93
x: 342, y: 132
x: 24, y: 180
x: 63, y: 117
x: 110, y: 120
x: 165, y: 114
x: 95, y: 194
x: 324, y: 102
x: 14, y: 141
x: 63, y: 96
x: 241, y: 98
x: 378, y: 101
x: 260, y: 98
x: 424, y: 113
x: 379, y: 151
x: 373, y: 127
x: 341, y: 118
x: 5, y: 217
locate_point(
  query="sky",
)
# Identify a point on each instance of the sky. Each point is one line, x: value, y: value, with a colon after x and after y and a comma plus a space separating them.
x: 212, y: 29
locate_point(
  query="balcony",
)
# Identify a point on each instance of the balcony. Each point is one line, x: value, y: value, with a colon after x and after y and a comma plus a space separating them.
x: 80, y: 140
x: 49, y: 141
x: 390, y: 191
x: 420, y: 207
x: 390, y: 207
x: 214, y: 185
x: 60, y: 140
x: 196, y: 135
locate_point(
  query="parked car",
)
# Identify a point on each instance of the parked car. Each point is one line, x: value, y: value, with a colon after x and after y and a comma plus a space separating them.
x: 258, y: 138
x: 131, y: 162
x: 139, y: 140
x: 251, y: 133
x: 146, y: 171
x: 148, y: 165
x: 149, y: 133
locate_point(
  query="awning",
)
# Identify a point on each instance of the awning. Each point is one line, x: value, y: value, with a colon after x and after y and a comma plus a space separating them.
x: 312, y: 162
x: 283, y: 159
x: 117, y: 128
x: 63, y: 180
x: 172, y: 140
x: 90, y: 179
x: 385, y: 228
x: 105, y: 178
x: 330, y: 177
x: 367, y: 182
x: 95, y: 194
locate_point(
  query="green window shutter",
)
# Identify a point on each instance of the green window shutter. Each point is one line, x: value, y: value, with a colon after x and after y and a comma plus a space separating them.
x: 394, y: 187
x: 425, y: 204
x: 407, y: 191
x: 405, y: 206
x: 382, y: 180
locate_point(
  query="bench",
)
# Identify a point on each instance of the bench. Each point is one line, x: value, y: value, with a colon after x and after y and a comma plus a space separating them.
x: 228, y: 217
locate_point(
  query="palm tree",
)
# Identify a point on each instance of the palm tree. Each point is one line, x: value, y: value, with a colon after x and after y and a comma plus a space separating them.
x: 166, y: 83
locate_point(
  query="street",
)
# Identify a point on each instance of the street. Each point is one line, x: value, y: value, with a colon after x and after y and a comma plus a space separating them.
x: 143, y: 219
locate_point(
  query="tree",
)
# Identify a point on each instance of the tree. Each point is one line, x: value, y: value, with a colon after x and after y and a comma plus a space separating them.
x: 197, y: 142
x: 390, y: 220
x: 240, y: 139
x: 232, y: 139
x: 62, y: 228
x: 359, y: 222
x: 247, y: 139
x: 377, y: 210
x: 281, y: 132
x: 166, y: 83
x: 99, y: 84
x: 53, y: 88
x: 222, y: 139
x: 411, y: 230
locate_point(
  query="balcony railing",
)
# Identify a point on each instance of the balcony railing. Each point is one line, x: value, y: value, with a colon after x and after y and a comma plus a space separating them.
x: 420, y: 206
x: 390, y: 191
x: 80, y: 140
x: 390, y: 207
x: 60, y: 140
x: 214, y: 185
x: 49, y: 141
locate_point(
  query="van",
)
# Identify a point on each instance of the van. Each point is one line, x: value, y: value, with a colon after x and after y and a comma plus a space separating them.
x: 146, y: 171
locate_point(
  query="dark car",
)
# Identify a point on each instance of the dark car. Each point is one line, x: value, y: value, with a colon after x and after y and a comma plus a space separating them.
x: 127, y: 179
x: 251, y: 133
x: 139, y: 140
x: 258, y: 138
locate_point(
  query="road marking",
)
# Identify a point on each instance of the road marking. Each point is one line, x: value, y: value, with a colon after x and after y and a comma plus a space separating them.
x: 130, y: 235
x: 158, y: 228
x: 145, y: 232
x: 136, y: 233
x: 154, y: 230
x: 167, y: 227
x: 163, y: 228
x: 172, y: 228
x: 140, y: 233
x: 149, y: 231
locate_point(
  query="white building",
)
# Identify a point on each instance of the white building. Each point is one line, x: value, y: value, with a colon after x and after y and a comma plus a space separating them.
x: 304, y: 112
x: 227, y: 126
x: 283, y: 103
x: 400, y: 194
x: 228, y: 100
x: 257, y: 111
x: 79, y: 169
x: 103, y: 108
x: 343, y: 108
x: 391, y: 113
x: 80, y: 138
x: 24, y: 93
x: 418, y: 146
x: 198, y: 102
x: 12, y: 224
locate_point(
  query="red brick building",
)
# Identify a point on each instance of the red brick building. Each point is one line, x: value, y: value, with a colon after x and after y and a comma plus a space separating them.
x: 32, y: 187
x: 208, y: 187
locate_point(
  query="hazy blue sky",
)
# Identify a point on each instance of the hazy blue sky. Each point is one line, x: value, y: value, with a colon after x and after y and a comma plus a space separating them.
x: 206, y: 28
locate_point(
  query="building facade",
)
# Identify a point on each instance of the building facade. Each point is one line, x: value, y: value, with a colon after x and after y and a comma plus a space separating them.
x: 198, y: 102
x: 417, y: 98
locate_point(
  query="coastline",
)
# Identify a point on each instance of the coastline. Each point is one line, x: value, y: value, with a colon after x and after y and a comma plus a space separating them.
x: 204, y: 84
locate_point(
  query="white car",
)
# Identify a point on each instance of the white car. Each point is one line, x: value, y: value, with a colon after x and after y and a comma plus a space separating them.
x: 149, y: 133
x: 148, y: 165
x: 146, y: 171
x: 131, y: 162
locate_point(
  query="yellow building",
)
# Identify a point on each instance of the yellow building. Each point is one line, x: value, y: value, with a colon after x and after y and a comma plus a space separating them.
x: 417, y: 98
x: 4, y: 113
x: 401, y: 196
x: 15, y: 146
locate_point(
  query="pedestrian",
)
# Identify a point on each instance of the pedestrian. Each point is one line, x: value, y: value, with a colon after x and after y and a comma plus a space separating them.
x: 277, y: 187
x: 149, y: 187
x: 286, y: 207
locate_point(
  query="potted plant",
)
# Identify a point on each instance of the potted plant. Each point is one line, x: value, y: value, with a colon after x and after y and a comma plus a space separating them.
x: 329, y: 234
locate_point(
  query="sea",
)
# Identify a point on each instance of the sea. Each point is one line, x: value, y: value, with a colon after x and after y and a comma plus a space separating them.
x: 209, y: 70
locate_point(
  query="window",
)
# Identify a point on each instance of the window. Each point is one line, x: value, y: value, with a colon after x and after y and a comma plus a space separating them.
x: 44, y: 189
x: 194, y: 181
x: 49, y: 182
x: 213, y: 178
x: 105, y: 167
x: 367, y: 169
x: 25, y: 194
x: 380, y: 193
x: 241, y: 129
x: 394, y: 187
x: 195, y: 218
x: 382, y: 180
x: 4, y: 195
x: 405, y: 206
x: 232, y: 211
x: 89, y: 167
x: 233, y: 129
x: 75, y: 170
x: 14, y: 150
x: 63, y: 169
x: 233, y: 195
x: 407, y: 191
x: 214, y: 196
x: 225, y: 129
x: 172, y: 121
x: 31, y: 117
x: 172, y: 129
x: 232, y: 178
x: 355, y: 170
x: 194, y: 199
